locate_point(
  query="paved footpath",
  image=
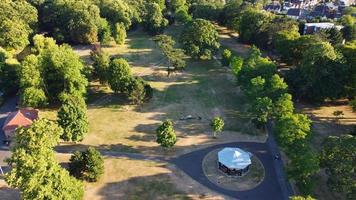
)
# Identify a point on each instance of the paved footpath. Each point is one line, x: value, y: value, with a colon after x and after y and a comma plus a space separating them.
x: 8, y: 106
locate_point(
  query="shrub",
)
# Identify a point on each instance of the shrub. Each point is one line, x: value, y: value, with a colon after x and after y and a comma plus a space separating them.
x: 87, y: 165
x: 166, y: 136
x: 139, y: 91
x: 218, y: 125
x: 226, y: 57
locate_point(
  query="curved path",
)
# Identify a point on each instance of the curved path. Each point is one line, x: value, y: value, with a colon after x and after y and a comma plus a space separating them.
x: 269, y: 189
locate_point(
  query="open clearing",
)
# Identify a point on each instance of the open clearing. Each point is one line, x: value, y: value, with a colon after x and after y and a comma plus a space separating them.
x: 204, y: 89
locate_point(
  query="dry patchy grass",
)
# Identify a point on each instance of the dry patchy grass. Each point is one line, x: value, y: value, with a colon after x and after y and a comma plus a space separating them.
x: 204, y: 89
x: 133, y: 179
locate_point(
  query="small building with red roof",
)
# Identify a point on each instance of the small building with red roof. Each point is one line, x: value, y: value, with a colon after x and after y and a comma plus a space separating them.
x: 21, y: 118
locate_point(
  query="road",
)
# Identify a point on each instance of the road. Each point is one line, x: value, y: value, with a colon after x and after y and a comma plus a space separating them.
x: 269, y: 189
x: 8, y: 106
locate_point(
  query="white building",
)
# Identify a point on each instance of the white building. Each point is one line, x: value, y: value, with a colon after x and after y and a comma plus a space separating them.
x: 310, y: 28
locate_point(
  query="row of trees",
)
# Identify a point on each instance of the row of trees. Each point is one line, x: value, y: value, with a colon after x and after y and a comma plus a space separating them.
x: 311, y: 54
x: 78, y: 22
x: 270, y: 102
x: 52, y: 74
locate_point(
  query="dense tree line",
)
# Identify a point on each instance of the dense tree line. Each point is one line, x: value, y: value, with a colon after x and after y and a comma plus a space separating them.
x: 323, y: 67
x: 270, y: 102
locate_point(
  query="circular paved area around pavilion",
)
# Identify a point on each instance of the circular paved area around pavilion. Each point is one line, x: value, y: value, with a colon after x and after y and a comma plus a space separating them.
x: 268, y: 189
x: 249, y: 180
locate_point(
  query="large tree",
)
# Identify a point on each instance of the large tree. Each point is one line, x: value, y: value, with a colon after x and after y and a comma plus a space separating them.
x: 174, y: 56
x: 101, y: 62
x: 9, y: 74
x: 71, y: 21
x: 200, y: 39
x: 349, y: 53
x: 31, y: 83
x: 119, y: 75
x: 154, y: 21
x: 339, y: 159
x: 34, y: 169
x: 231, y: 13
x: 290, y: 128
x: 207, y: 9
x: 302, y: 168
x: 116, y: 11
x: 60, y: 70
x: 322, y: 74
x: 73, y: 119
x: 252, y: 23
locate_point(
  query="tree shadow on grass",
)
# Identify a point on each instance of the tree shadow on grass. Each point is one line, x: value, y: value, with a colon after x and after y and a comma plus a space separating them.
x: 144, y: 187
x: 70, y: 148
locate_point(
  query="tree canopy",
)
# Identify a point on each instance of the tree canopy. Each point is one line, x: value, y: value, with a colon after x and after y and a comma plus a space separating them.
x: 73, y: 119
x: 338, y: 157
x: 57, y: 72
x: 174, y: 56
x: 34, y: 169
x: 166, y: 136
x: 87, y: 165
x: 154, y: 21
x: 119, y: 75
x: 200, y: 39
x: 18, y: 21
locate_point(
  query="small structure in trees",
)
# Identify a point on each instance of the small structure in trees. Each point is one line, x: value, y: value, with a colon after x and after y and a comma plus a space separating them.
x: 234, y: 161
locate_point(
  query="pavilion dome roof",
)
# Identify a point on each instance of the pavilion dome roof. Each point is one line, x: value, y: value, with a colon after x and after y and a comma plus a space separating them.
x: 234, y: 158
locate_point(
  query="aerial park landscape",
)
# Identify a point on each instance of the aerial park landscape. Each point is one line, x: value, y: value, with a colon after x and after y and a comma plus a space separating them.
x: 179, y: 99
